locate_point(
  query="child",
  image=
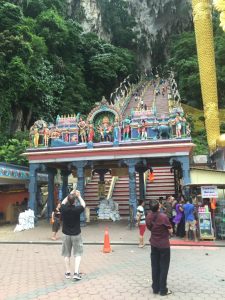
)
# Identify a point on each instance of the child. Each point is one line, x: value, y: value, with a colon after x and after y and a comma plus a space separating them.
x: 56, y: 221
x: 141, y: 222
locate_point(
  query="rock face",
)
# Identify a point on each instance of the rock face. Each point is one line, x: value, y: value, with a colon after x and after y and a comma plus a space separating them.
x: 155, y: 20
x: 88, y: 13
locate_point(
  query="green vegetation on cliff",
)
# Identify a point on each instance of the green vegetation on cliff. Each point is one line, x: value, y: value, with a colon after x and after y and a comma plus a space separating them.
x: 196, y: 118
x: 49, y: 66
x: 183, y: 60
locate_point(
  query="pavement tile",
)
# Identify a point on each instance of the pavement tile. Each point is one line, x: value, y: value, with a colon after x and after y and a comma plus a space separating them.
x: 122, y: 274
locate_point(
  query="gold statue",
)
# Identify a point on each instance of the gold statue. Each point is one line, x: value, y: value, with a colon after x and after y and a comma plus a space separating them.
x: 202, y: 14
x: 220, y: 6
x: 36, y: 137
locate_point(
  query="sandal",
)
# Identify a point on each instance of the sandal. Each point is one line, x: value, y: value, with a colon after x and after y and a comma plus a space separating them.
x: 167, y: 294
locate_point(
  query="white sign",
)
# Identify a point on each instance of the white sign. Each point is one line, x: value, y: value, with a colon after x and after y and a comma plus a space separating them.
x: 209, y: 191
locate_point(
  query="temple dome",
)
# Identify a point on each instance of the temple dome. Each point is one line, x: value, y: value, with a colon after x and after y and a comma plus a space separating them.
x: 221, y: 140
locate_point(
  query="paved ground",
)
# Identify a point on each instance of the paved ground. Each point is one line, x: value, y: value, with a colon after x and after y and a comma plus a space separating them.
x: 93, y: 233
x: 36, y: 272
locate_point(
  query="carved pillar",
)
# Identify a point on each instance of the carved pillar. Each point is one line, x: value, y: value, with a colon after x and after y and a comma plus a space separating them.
x: 32, y: 203
x: 202, y: 13
x: 79, y: 165
x: 131, y: 163
x: 65, y: 174
x: 50, y: 203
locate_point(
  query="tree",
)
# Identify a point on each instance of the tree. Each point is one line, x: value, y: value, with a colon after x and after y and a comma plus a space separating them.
x: 12, y: 150
x: 10, y: 15
x: 183, y: 60
x: 49, y: 66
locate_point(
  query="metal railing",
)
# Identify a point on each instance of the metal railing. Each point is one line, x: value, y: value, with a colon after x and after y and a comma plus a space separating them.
x: 112, y: 185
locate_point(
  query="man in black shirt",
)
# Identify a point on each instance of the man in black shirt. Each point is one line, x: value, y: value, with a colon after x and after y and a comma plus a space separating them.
x: 71, y: 232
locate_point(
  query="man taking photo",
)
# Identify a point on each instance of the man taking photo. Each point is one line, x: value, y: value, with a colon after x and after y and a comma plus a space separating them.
x: 71, y: 231
x: 161, y: 229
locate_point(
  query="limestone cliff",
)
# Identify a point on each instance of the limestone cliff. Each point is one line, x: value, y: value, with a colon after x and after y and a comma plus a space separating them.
x: 154, y: 21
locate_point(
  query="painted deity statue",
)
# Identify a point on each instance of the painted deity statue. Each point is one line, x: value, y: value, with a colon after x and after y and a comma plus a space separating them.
x: 82, y: 130
x: 126, y: 129
x: 184, y: 125
x: 73, y: 138
x: 101, y: 132
x: 36, y: 137
x: 46, y: 133
x: 66, y: 136
x: 139, y: 131
x: 91, y: 133
x: 106, y: 129
x: 116, y: 131
x: 143, y: 131
x: 106, y: 132
x: 188, y: 130
x: 178, y: 123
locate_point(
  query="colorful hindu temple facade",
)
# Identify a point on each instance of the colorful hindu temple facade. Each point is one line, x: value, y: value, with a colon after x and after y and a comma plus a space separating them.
x: 144, y: 128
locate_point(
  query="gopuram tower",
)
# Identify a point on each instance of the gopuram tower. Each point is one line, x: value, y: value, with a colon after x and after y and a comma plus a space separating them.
x: 202, y: 16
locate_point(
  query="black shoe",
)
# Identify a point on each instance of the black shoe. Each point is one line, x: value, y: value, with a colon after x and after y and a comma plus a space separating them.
x: 166, y: 294
x: 155, y: 292
x: 67, y: 275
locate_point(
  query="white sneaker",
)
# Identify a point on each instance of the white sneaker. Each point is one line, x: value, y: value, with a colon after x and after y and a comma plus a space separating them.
x: 77, y: 276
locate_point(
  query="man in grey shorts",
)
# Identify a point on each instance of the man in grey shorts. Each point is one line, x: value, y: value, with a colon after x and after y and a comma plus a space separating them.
x: 71, y: 232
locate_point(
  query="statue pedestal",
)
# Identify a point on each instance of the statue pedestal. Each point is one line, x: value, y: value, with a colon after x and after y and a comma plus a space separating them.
x: 116, y: 143
x: 90, y: 145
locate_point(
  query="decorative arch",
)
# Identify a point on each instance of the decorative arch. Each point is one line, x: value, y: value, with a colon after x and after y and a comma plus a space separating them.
x: 104, y: 109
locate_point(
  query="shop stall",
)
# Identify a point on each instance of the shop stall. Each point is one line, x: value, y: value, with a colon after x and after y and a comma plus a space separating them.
x: 209, y: 201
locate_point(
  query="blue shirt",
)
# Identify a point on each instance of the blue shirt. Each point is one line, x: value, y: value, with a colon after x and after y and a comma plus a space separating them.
x: 189, y: 212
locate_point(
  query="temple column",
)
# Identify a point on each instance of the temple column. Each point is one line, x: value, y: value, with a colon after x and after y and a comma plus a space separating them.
x: 141, y: 185
x: 131, y: 163
x: 50, y: 203
x: 64, y: 175
x: 32, y: 203
x: 185, y: 163
x: 79, y: 165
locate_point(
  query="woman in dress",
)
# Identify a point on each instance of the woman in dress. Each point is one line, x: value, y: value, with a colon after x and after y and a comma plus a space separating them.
x: 178, y: 218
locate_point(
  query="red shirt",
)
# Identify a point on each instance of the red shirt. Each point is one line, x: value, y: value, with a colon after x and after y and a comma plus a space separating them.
x: 159, y: 225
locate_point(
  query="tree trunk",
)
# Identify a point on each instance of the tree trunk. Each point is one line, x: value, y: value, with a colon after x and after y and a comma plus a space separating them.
x: 16, y: 123
x: 28, y: 119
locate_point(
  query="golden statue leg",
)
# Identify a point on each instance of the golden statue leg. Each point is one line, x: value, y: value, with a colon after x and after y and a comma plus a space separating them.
x: 202, y: 13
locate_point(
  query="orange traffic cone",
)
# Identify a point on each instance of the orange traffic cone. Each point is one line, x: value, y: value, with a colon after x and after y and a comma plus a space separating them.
x: 107, y: 247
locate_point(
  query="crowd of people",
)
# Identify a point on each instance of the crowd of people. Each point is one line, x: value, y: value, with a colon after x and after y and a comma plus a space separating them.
x: 165, y: 219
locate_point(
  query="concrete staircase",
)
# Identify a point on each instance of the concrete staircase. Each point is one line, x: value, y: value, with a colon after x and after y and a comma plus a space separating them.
x: 91, y: 193
x: 121, y: 195
x: 147, y: 99
x: 148, y: 96
x: 162, y: 185
x: 161, y: 101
